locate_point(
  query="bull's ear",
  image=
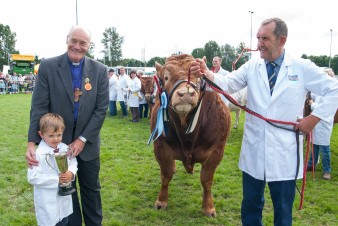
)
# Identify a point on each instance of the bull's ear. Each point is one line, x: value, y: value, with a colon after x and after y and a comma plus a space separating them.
x: 158, y: 67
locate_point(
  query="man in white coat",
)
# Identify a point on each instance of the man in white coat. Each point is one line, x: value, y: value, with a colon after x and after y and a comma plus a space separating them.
x: 112, y: 92
x: 268, y: 153
x: 217, y: 69
x: 122, y: 89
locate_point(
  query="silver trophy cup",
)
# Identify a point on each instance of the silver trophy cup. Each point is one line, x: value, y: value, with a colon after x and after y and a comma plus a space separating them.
x: 62, y: 167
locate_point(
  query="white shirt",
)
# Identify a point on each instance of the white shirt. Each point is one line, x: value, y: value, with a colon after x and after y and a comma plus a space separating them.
x: 113, y: 80
x: 223, y: 72
x: 50, y: 208
x: 122, y: 85
x: 134, y: 85
x: 321, y: 134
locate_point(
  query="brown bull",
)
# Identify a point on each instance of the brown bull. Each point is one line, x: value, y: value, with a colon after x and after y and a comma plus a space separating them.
x: 205, y: 141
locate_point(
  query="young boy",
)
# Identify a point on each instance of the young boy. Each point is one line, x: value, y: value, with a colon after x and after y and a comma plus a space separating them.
x: 50, y: 207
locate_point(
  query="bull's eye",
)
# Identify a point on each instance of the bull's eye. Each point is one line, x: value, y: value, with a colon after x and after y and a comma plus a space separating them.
x: 166, y: 78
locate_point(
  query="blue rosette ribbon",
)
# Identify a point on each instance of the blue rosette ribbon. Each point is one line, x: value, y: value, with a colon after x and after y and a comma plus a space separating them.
x: 160, y: 118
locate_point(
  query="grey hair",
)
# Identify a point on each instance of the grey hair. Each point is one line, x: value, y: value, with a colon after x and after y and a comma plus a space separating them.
x: 219, y: 58
x: 281, y: 28
x: 75, y: 27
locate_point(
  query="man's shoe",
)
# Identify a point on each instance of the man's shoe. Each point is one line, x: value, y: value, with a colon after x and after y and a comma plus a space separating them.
x: 327, y: 176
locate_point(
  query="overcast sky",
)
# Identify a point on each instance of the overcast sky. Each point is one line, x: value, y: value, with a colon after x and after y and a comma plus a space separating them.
x: 163, y: 27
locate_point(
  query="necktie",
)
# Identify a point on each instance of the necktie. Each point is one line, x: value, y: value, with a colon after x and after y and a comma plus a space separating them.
x: 272, y: 76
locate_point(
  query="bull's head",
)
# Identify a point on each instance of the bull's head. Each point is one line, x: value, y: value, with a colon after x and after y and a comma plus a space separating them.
x: 148, y: 85
x: 183, y: 95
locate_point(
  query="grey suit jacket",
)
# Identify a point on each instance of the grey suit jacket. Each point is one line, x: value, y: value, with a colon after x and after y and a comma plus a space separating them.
x: 53, y: 92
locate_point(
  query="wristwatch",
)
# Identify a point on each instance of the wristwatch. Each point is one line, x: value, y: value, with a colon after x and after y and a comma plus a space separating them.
x: 84, y: 140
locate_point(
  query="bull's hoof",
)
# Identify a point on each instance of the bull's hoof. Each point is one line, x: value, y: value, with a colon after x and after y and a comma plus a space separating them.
x: 210, y: 213
x: 160, y: 205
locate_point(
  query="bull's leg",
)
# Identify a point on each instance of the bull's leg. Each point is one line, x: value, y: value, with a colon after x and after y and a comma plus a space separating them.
x: 207, y: 176
x: 167, y: 172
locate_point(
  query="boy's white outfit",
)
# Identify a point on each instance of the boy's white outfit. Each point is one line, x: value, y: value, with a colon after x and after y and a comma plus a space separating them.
x: 50, y: 208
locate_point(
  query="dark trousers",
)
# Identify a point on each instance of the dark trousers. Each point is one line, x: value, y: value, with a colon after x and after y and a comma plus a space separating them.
x: 282, y: 195
x: 112, y: 107
x: 143, y: 114
x: 135, y: 113
x: 123, y: 108
x: 88, y: 177
x: 63, y: 222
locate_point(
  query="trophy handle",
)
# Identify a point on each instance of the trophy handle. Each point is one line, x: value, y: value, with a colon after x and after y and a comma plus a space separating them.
x: 48, y: 156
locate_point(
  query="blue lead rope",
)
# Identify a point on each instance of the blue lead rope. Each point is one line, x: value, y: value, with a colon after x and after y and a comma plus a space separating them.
x: 160, y: 121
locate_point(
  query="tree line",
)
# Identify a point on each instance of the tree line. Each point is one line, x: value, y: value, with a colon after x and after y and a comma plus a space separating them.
x: 113, y: 56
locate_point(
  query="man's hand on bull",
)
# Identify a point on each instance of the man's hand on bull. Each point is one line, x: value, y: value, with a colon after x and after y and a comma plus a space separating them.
x: 199, y: 68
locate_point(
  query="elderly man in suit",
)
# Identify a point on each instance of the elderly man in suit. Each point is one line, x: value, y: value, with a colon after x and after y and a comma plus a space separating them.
x: 75, y: 87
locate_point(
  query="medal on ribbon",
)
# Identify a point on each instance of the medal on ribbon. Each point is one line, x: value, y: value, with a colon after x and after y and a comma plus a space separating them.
x: 87, y: 86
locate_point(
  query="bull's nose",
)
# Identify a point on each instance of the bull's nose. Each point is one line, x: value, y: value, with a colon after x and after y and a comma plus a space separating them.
x: 186, y: 91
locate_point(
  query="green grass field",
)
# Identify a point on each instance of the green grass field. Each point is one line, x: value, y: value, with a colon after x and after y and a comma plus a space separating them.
x: 130, y: 179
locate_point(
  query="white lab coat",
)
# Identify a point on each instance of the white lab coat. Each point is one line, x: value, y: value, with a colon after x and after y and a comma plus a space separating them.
x: 50, y: 208
x: 267, y: 150
x: 321, y: 134
x: 134, y: 86
x: 223, y: 72
x: 113, y: 88
x: 122, y: 89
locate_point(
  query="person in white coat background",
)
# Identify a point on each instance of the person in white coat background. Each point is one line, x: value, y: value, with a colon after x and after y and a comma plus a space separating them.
x: 122, y: 89
x: 112, y: 92
x: 50, y: 207
x: 270, y: 154
x: 321, y: 137
x: 217, y: 69
x: 134, y: 87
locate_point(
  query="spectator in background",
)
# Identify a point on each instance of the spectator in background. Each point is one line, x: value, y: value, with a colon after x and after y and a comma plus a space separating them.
x: 15, y: 77
x: 31, y: 76
x: 143, y: 104
x: 21, y: 79
x: 321, y: 136
x: 113, y: 80
x: 75, y: 87
x: 217, y: 66
x: 122, y: 95
x: 217, y: 69
x: 134, y: 87
x: 28, y: 82
x: 8, y: 82
x: 2, y: 87
x: 14, y: 87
